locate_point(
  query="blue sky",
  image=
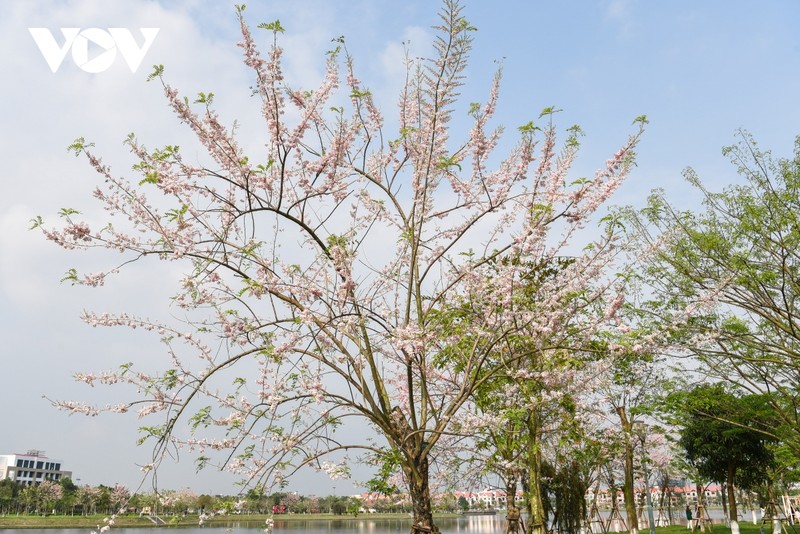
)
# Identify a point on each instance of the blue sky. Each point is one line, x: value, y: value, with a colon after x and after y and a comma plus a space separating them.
x: 698, y: 70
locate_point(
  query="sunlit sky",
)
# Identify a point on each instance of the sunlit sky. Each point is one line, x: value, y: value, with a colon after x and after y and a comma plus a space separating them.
x: 698, y: 70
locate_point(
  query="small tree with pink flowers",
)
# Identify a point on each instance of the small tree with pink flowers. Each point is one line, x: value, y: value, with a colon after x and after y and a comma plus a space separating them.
x: 320, y: 273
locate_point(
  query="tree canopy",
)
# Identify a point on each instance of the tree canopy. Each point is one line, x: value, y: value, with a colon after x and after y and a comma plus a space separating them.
x: 321, y: 275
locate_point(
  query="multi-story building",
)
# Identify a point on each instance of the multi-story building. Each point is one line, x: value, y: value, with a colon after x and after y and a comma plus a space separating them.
x: 30, y: 468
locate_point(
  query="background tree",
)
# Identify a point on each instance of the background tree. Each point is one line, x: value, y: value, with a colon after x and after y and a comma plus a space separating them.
x: 119, y: 497
x: 735, y: 266
x: 531, y: 400
x: 634, y: 382
x: 315, y: 272
x: 205, y: 503
x: 48, y: 492
x: 88, y: 497
x: 721, y: 440
x: 8, y: 494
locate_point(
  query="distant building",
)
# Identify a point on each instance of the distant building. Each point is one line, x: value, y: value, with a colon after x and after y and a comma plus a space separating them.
x: 31, y: 468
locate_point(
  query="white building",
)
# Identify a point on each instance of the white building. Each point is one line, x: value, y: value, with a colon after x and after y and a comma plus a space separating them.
x: 30, y: 468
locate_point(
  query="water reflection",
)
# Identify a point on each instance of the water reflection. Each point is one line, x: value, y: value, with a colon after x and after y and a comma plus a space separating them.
x: 479, y: 524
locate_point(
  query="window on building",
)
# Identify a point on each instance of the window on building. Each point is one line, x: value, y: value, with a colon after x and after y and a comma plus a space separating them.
x: 19, y: 463
x: 39, y: 465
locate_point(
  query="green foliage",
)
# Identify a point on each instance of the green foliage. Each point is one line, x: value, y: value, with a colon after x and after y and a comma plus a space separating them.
x: 388, y: 462
x: 79, y: 145
x: 358, y: 93
x: 148, y: 432
x: 70, y: 276
x: 447, y: 162
x: 204, y: 98
x: 158, y: 71
x: 201, y: 418
x: 528, y: 128
x: 735, y: 265
x: 720, y: 435
x: 274, y: 26
x: 549, y: 111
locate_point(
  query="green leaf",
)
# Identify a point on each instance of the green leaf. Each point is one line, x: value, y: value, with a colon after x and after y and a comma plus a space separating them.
x: 79, y: 145
x: 175, y: 214
x: 446, y: 163
x: 274, y: 26
x: 203, y: 98
x: 201, y: 462
x: 150, y: 178
x: 71, y: 275
x: 66, y: 212
x: 150, y: 432
x: 158, y: 70
x: 202, y: 417
x: 550, y: 110
x: 264, y: 168
x: 357, y: 93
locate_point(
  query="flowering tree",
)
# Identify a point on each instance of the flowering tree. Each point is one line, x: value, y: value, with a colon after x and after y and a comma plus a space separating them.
x: 47, y: 493
x: 88, y: 496
x: 119, y: 497
x: 631, y: 387
x: 541, y: 390
x: 319, y: 275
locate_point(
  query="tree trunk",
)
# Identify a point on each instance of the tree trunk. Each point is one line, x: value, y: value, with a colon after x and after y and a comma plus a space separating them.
x: 512, y: 512
x: 420, y: 498
x: 733, y: 512
x: 537, y: 520
x: 700, y: 507
x: 724, y: 498
x: 416, y: 470
x: 627, y: 488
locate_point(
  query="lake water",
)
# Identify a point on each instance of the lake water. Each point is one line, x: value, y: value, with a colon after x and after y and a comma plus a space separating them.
x: 478, y: 524
x: 456, y: 525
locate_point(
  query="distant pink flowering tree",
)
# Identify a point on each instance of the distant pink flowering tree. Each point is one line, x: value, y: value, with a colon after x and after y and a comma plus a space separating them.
x: 47, y: 493
x: 88, y: 497
x: 119, y: 497
x: 319, y: 273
